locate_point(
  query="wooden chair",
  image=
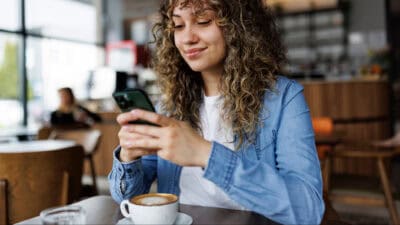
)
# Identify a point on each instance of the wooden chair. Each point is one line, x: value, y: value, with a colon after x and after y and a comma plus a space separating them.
x: 33, y: 181
x: 89, y: 139
x: 323, y: 129
x: 3, y: 201
x: 44, y: 132
x: 381, y: 155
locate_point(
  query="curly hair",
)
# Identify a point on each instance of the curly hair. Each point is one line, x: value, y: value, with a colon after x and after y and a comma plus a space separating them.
x: 255, y: 54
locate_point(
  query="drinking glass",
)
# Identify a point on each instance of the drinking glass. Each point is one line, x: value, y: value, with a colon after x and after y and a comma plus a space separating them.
x: 66, y: 215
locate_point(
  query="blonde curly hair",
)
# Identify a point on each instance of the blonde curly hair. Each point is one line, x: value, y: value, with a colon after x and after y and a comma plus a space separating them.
x: 255, y: 53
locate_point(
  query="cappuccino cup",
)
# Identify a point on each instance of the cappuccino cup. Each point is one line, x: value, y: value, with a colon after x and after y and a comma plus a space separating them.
x: 153, y: 208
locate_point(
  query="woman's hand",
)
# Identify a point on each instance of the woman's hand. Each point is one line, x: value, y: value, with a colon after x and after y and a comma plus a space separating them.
x: 174, y: 140
x: 126, y: 139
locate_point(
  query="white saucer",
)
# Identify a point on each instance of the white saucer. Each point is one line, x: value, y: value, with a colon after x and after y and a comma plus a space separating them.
x: 181, y: 219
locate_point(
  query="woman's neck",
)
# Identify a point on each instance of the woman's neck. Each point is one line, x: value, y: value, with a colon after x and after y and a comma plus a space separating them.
x: 211, y: 83
x: 66, y: 108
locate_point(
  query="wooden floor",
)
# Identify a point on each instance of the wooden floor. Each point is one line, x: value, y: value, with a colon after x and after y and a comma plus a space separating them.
x: 362, y: 186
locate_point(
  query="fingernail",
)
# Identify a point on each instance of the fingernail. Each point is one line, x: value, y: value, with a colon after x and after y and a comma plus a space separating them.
x: 134, y: 112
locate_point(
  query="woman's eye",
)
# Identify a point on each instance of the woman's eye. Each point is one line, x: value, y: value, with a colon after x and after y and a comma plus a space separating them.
x: 177, y: 26
x: 204, y: 22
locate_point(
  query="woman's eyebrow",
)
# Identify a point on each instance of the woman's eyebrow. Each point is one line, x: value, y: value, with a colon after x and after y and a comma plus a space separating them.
x: 204, y: 12
x: 175, y: 15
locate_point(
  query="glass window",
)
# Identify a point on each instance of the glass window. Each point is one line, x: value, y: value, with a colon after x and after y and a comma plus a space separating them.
x: 9, y: 15
x: 10, y: 104
x: 53, y: 64
x: 62, y: 18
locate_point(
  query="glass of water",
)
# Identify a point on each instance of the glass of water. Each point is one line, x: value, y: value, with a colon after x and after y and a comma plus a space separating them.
x: 66, y: 215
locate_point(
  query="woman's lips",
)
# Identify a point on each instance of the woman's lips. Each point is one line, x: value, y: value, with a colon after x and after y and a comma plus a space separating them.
x: 194, y: 52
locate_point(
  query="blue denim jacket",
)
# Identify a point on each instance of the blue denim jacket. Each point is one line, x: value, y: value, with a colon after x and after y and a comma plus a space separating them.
x: 278, y: 175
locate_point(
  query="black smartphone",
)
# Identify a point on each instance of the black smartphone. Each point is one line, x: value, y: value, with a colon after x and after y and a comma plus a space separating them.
x: 134, y: 99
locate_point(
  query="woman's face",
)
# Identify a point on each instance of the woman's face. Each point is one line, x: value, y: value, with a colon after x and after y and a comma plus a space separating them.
x: 199, y: 40
x: 65, y: 98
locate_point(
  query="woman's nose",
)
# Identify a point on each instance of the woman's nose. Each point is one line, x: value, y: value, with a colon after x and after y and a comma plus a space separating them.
x: 190, y: 36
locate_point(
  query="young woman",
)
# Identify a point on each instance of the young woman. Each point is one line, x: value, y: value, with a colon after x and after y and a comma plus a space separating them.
x: 232, y: 134
x: 69, y: 113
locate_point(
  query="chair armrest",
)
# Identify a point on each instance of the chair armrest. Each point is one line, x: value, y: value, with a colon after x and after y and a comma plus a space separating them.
x: 3, y: 202
x: 362, y: 149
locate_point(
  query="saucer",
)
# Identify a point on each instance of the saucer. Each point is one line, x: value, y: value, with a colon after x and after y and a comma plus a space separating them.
x: 181, y: 219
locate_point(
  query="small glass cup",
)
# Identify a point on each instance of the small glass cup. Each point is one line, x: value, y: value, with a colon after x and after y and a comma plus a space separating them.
x: 66, y: 215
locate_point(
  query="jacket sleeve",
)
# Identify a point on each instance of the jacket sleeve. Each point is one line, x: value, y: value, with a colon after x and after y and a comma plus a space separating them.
x: 288, y: 192
x: 130, y: 179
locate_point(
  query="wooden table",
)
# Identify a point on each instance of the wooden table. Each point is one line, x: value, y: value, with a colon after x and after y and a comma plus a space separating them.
x: 103, y: 210
x: 32, y: 146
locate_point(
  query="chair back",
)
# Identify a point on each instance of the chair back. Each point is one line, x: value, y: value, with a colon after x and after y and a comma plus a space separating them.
x: 44, y: 132
x: 322, y: 125
x: 33, y: 181
x: 88, y: 138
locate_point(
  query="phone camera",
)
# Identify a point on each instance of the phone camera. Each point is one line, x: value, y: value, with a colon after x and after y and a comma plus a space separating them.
x: 122, y: 101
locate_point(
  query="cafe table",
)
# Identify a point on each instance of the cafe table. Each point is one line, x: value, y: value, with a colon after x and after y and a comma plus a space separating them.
x: 36, y: 145
x: 103, y: 209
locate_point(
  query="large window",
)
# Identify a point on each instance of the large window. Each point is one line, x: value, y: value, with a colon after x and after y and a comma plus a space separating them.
x: 10, y: 15
x: 58, y: 46
x: 53, y: 64
x: 62, y: 18
x: 10, y: 104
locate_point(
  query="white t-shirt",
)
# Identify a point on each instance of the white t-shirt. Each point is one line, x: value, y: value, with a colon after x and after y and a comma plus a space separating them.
x: 195, y: 189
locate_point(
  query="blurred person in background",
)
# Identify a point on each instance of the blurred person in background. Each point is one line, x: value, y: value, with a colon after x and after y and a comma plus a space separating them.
x: 71, y: 114
x: 232, y: 134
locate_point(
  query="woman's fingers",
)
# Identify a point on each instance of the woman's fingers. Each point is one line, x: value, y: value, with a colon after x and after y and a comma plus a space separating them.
x: 125, y: 134
x: 136, y: 114
x: 130, y: 155
x: 125, y: 118
x: 132, y: 140
x: 144, y: 130
x: 143, y: 143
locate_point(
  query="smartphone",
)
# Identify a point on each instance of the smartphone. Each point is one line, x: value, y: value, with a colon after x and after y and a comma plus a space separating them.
x: 134, y: 99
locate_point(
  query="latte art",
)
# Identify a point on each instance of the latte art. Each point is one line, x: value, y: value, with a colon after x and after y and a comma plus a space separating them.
x: 154, y: 199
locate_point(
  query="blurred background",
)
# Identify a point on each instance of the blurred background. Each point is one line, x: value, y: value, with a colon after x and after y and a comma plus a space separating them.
x: 346, y: 53
x: 83, y: 44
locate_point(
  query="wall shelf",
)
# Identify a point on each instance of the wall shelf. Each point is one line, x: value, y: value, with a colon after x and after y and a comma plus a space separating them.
x: 315, y: 38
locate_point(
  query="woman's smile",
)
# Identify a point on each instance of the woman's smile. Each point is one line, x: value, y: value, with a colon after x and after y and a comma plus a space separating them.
x: 194, y: 53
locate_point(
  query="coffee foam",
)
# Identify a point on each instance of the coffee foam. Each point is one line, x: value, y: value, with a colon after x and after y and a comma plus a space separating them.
x: 153, y: 199
x: 156, y: 200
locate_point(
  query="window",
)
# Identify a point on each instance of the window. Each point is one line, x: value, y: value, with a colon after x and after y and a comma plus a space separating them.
x: 10, y: 15
x: 53, y: 64
x: 62, y: 48
x: 62, y: 18
x: 10, y: 104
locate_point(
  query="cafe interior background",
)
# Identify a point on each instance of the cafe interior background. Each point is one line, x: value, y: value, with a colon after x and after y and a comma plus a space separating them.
x: 346, y: 53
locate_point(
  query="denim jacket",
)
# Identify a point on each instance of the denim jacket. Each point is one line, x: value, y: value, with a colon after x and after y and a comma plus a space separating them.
x: 277, y: 175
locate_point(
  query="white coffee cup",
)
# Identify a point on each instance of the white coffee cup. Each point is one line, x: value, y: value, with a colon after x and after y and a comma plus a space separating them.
x: 153, y: 208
